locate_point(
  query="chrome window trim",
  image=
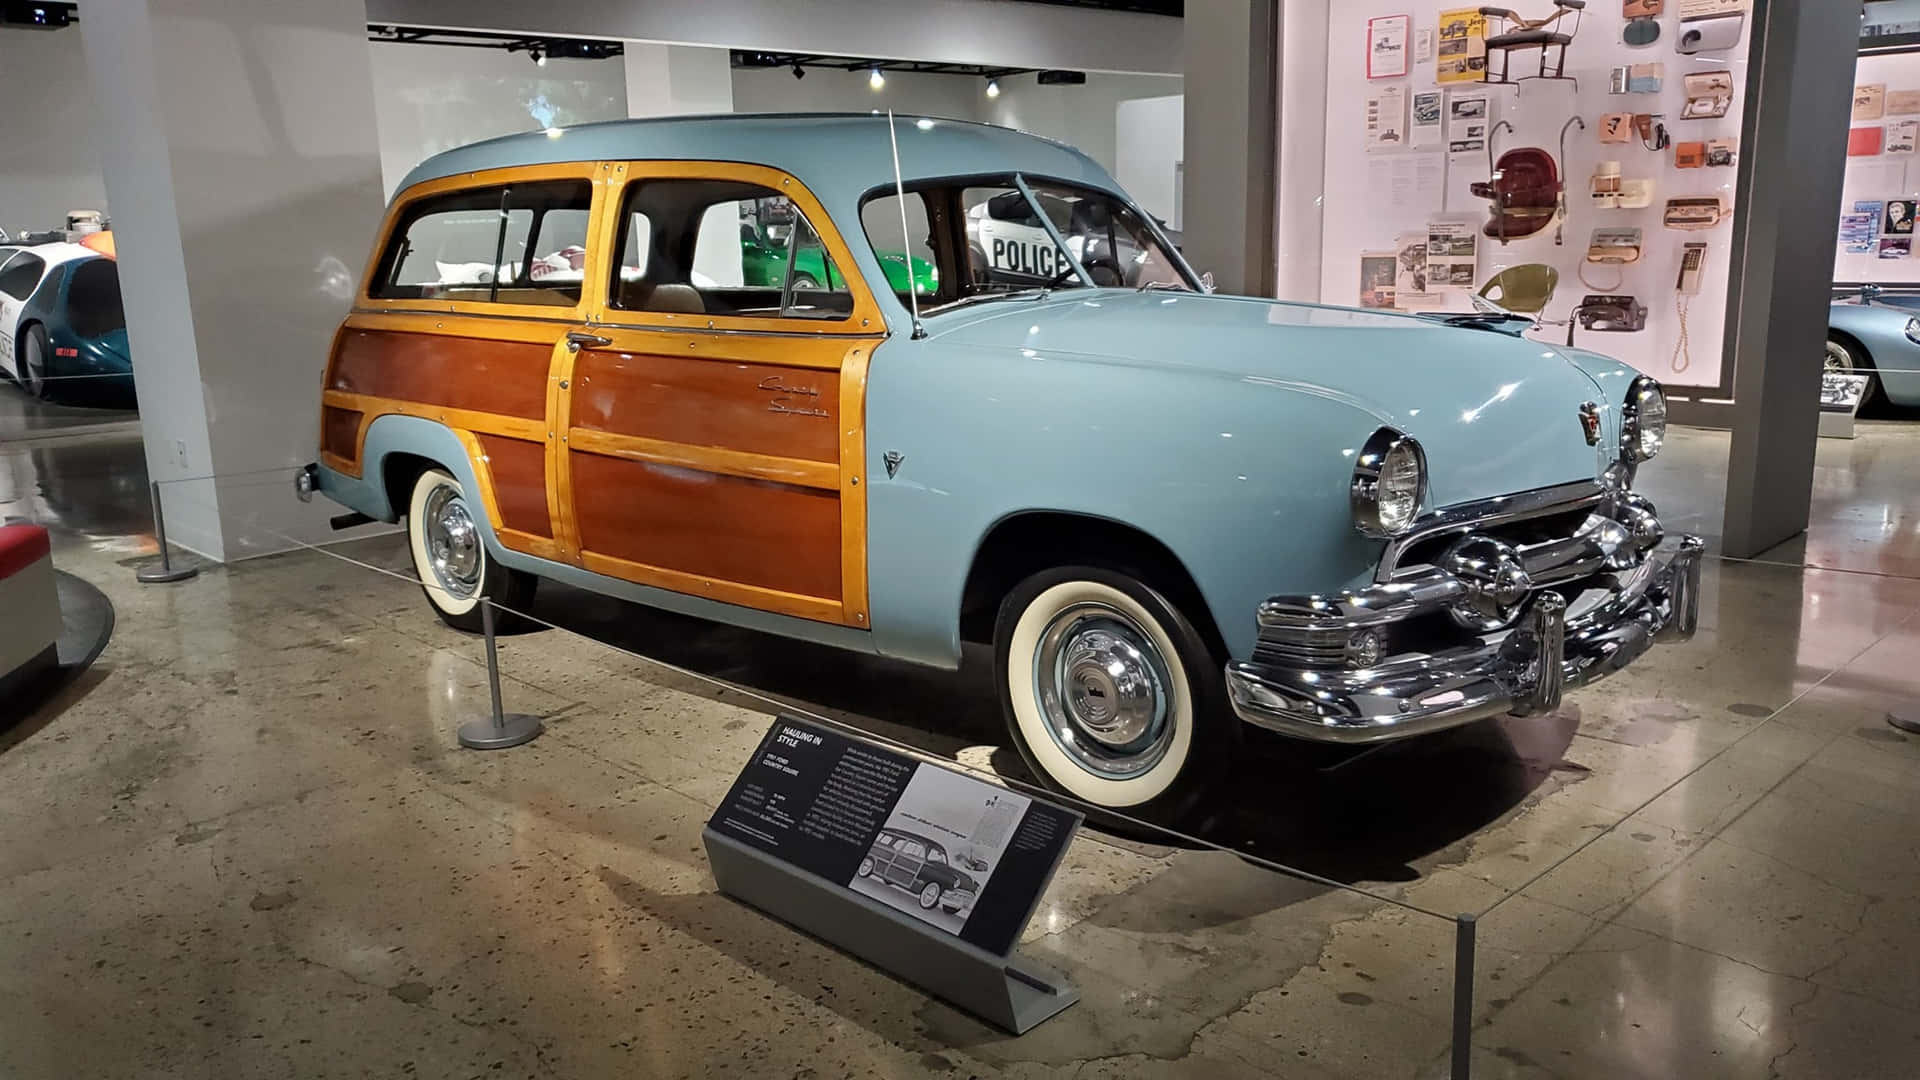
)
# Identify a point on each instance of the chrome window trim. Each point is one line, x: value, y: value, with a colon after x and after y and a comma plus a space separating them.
x: 1487, y: 513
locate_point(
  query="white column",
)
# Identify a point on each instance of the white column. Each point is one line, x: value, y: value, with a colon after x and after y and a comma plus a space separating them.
x: 243, y: 167
x: 690, y: 80
x: 677, y: 80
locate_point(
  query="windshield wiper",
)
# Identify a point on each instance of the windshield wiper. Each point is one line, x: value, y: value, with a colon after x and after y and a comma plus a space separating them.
x: 1016, y: 294
x: 1166, y: 286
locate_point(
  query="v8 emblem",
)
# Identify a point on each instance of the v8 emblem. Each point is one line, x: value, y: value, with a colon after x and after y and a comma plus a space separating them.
x: 893, y: 458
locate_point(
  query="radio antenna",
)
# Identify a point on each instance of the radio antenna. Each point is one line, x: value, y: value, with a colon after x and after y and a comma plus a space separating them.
x: 900, y: 191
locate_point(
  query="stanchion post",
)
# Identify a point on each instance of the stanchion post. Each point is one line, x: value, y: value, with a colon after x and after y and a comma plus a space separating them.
x: 165, y: 572
x: 500, y: 729
x: 1906, y: 719
x: 1463, y: 930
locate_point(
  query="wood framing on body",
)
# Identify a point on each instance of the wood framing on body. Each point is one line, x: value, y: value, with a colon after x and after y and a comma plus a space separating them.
x: 714, y: 455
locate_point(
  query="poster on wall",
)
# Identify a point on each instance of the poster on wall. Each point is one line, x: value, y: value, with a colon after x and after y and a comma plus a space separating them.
x: 1411, y: 290
x: 1899, y: 217
x: 1896, y: 247
x: 1870, y: 102
x: 1387, y: 120
x: 1860, y: 229
x: 1424, y: 133
x: 1462, y: 53
x: 1423, y: 45
x: 1387, y: 46
x: 1901, y: 136
x: 1903, y: 103
x: 1467, y: 120
x: 1453, y: 255
x: 1865, y: 141
x: 1379, y: 271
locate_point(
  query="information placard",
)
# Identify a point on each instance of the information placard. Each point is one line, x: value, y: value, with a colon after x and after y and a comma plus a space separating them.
x: 966, y: 857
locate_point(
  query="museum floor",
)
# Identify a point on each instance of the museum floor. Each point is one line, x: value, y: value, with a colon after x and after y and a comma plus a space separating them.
x: 245, y: 844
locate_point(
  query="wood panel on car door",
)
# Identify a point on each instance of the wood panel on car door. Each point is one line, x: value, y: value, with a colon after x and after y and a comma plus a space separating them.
x: 720, y: 456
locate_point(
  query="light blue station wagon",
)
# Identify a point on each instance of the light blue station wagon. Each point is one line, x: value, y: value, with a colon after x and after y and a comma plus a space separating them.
x: 1172, y: 513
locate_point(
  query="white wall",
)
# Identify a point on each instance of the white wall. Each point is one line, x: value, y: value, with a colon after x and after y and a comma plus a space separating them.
x: 1882, y: 176
x: 1146, y: 151
x: 1083, y: 116
x: 1363, y: 213
x: 950, y: 31
x: 49, y: 162
x: 762, y: 90
x: 432, y: 98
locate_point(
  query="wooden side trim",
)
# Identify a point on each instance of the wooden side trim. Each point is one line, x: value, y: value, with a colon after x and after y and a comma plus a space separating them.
x: 853, y: 485
x: 372, y: 408
x: 519, y: 541
x: 813, y: 474
x: 816, y: 608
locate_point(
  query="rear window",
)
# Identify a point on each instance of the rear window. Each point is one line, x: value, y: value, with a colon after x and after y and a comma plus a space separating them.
x: 510, y: 244
x: 93, y: 299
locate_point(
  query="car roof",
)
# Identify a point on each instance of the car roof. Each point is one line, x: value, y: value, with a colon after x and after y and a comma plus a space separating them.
x: 838, y: 156
x: 911, y: 835
x: 58, y: 252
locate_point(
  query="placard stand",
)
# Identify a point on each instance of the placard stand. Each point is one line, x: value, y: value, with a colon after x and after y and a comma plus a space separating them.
x: 1008, y: 991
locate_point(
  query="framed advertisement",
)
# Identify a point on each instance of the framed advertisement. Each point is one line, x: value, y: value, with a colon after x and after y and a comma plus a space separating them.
x: 1461, y: 56
x: 1387, y: 41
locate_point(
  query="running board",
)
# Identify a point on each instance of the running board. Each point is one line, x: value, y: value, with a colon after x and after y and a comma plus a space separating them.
x: 349, y: 521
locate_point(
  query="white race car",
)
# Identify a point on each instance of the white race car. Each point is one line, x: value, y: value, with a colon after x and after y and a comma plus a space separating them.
x: 24, y: 271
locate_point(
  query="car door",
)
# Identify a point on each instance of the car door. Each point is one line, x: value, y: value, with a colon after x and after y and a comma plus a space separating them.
x: 20, y: 273
x: 464, y: 320
x: 715, y: 425
x: 909, y: 857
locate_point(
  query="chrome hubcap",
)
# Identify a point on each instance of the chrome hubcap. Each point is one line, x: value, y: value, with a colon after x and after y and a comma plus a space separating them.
x: 453, y: 543
x: 1837, y: 359
x: 1104, y: 689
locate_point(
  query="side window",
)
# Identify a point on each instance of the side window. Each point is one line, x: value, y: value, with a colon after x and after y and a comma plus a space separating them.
x: 21, y: 274
x: 1007, y: 245
x: 907, y: 257
x: 913, y: 849
x: 723, y: 247
x: 935, y: 855
x: 510, y: 244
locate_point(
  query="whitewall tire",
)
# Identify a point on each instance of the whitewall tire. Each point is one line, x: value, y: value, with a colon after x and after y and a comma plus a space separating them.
x: 1111, y: 695
x: 450, y: 555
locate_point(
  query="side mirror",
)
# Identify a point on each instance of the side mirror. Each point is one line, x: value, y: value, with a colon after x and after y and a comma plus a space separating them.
x: 1206, y: 282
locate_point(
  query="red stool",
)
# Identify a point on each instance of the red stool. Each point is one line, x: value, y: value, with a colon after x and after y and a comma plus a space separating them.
x: 29, y: 608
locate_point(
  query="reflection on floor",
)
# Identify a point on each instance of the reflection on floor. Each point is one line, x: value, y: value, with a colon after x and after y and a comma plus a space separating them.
x: 245, y: 843
x: 24, y: 418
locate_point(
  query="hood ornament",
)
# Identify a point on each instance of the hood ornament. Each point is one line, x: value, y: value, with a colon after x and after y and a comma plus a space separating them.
x: 893, y: 458
x: 1590, y: 422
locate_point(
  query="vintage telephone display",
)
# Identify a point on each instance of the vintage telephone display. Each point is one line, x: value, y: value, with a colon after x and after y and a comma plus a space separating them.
x: 1643, y: 26
x: 1690, y: 155
x: 1616, y: 128
x: 1638, y: 79
x: 1525, y: 190
x: 1694, y: 212
x: 1610, y: 191
x: 1615, y: 247
x: 1693, y: 264
x: 1709, y: 95
x: 1722, y: 153
x: 1608, y: 314
x: 1712, y: 33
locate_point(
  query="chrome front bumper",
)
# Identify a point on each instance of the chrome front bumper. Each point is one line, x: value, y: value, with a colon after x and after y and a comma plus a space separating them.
x: 1581, y: 620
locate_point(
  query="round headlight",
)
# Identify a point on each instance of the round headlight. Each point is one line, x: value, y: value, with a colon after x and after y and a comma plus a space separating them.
x: 1643, y: 420
x: 1388, y: 483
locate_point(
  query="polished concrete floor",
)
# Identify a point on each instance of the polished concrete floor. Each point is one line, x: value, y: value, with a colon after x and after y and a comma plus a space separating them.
x: 245, y: 844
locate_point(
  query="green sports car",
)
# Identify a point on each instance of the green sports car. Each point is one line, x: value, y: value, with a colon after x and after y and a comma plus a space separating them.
x: 764, y: 265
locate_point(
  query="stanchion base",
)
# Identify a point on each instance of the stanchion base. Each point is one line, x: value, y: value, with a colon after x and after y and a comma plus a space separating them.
x: 1906, y: 719
x: 160, y: 575
x: 514, y: 729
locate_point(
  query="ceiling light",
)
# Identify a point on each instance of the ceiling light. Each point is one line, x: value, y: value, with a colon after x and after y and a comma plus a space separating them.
x: 539, y: 58
x: 799, y: 72
x: 876, y: 80
x: 993, y: 88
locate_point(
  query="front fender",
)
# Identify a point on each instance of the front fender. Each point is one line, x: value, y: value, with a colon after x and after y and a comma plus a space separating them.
x: 1244, y: 481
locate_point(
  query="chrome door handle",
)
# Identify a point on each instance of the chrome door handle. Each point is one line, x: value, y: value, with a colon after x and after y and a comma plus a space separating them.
x: 578, y: 339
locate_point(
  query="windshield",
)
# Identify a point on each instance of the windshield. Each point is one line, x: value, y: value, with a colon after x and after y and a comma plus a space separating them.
x: 986, y: 238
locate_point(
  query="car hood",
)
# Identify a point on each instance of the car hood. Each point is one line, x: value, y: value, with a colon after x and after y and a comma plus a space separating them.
x: 1495, y: 413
